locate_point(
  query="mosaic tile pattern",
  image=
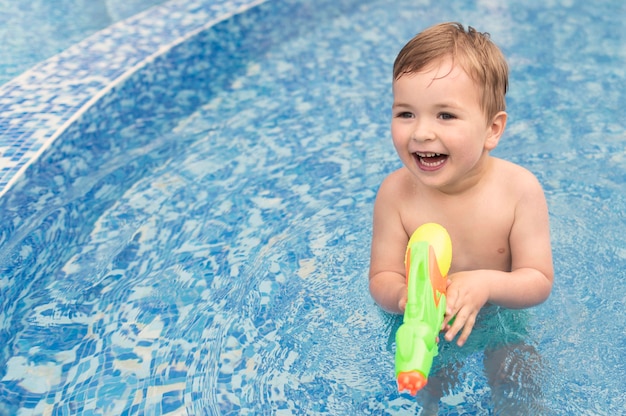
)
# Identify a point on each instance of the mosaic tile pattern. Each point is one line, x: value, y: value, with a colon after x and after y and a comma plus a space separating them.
x: 37, y: 106
x: 36, y: 30
x: 197, y: 241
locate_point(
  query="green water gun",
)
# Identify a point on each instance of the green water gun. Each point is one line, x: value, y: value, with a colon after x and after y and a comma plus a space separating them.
x: 427, y: 260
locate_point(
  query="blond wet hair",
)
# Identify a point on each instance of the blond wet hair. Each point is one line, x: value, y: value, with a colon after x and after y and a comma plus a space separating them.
x: 473, y: 51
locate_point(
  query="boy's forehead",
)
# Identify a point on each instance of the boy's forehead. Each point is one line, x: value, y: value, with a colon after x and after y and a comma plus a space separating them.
x: 455, y: 81
x: 440, y: 69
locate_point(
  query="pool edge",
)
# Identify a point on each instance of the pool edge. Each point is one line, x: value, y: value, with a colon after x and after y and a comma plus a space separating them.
x: 37, y: 106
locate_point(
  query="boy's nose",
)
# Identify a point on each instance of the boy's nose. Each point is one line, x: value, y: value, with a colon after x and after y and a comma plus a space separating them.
x: 422, y: 132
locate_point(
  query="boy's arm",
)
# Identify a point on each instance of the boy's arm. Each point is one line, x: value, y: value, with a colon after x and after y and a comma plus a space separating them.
x: 532, y: 273
x: 387, y: 280
x: 528, y: 284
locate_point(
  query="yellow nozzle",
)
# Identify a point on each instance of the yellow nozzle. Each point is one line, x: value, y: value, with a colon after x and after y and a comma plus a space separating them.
x: 439, y: 239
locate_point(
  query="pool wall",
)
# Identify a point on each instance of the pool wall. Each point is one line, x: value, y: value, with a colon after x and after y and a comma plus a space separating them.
x: 91, y: 142
x: 94, y: 108
x: 110, y: 124
x: 41, y: 104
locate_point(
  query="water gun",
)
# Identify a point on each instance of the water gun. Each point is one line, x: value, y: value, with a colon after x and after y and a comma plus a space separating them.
x: 427, y: 260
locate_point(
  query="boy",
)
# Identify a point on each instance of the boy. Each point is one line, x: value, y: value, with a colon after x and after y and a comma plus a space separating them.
x: 448, y: 113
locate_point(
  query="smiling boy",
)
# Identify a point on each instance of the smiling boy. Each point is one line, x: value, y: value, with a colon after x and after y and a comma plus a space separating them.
x: 448, y: 114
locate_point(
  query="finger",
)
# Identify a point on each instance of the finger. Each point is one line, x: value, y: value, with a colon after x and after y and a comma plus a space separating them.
x: 467, y: 330
x: 458, y: 324
x: 402, y: 303
x: 450, y: 307
x: 448, y: 321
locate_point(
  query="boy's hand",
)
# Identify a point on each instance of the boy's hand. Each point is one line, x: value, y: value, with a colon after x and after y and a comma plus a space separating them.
x: 466, y: 294
x: 402, y: 302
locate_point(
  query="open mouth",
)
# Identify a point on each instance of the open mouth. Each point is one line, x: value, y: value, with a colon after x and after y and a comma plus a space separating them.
x: 430, y: 161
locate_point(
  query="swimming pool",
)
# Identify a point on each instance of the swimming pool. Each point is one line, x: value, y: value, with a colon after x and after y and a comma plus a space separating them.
x: 36, y: 30
x: 203, y: 249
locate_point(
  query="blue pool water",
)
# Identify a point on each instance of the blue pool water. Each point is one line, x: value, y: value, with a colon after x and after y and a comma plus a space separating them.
x: 38, y: 29
x: 208, y: 253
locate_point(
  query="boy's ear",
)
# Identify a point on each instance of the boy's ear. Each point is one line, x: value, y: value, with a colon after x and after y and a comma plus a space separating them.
x: 495, y: 130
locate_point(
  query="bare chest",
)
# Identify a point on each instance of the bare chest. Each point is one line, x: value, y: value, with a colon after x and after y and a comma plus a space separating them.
x: 479, y: 228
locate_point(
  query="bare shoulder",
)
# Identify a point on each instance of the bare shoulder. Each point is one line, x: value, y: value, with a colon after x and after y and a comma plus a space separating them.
x: 393, y: 201
x: 516, y: 177
x: 397, y: 184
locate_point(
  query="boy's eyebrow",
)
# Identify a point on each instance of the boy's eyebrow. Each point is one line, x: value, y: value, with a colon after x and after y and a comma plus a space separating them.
x: 443, y: 105
x: 396, y: 104
x: 449, y: 104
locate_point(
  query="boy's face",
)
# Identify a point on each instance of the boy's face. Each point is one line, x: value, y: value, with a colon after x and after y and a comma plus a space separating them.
x: 438, y: 127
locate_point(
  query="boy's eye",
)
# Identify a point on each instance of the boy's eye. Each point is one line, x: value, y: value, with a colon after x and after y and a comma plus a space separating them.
x: 446, y: 116
x: 404, y: 114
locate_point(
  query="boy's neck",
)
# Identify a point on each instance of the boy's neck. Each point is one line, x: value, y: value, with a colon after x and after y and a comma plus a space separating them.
x: 471, y: 182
